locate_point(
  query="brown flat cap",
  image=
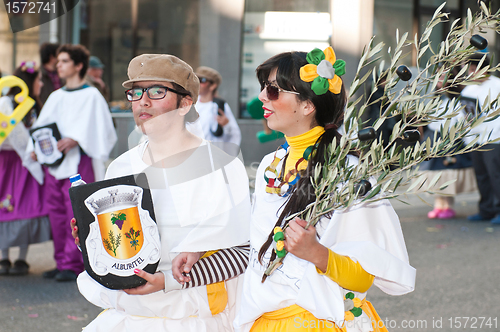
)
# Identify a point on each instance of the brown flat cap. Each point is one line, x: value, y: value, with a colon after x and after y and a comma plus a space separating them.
x: 209, y: 73
x: 163, y: 68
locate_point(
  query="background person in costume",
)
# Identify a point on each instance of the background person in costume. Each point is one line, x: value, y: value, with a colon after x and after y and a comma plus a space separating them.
x: 458, y: 167
x: 23, y: 212
x: 82, y: 117
x: 94, y: 76
x: 201, y: 204
x: 50, y: 77
x: 486, y: 162
x: 216, y: 118
x: 322, y: 283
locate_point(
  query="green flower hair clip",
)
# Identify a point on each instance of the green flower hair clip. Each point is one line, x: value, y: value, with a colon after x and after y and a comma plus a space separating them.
x: 324, y: 71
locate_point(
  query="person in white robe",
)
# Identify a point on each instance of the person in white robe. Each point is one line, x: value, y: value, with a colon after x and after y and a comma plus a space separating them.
x: 84, y: 122
x: 201, y: 203
x: 328, y: 269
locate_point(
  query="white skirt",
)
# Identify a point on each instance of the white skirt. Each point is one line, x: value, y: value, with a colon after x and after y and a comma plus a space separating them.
x: 175, y: 311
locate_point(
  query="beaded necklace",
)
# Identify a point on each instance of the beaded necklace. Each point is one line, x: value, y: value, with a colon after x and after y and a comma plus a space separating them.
x: 276, y: 183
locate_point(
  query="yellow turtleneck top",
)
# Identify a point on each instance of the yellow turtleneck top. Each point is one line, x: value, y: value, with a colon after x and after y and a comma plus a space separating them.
x: 341, y: 269
x: 298, y: 144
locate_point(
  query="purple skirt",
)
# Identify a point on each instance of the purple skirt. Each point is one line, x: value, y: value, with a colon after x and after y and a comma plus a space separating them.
x: 21, y: 197
x: 23, y: 212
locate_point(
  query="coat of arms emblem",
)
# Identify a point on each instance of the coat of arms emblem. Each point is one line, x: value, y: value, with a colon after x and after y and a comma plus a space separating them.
x: 45, y: 145
x: 117, y: 231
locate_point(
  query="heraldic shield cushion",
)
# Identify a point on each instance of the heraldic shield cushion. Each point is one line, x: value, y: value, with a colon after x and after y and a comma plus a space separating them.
x: 117, y: 230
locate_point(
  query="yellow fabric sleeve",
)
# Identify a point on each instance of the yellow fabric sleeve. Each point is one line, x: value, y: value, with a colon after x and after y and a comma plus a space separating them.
x: 216, y: 293
x: 217, y: 297
x: 346, y: 273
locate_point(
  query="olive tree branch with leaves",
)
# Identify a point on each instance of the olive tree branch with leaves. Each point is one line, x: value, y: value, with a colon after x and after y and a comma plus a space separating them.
x: 338, y: 184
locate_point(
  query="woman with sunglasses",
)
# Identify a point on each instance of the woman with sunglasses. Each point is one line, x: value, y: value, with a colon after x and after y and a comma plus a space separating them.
x: 322, y: 283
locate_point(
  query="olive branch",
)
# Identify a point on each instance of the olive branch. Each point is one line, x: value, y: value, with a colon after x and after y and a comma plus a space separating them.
x: 112, y: 242
x: 339, y: 185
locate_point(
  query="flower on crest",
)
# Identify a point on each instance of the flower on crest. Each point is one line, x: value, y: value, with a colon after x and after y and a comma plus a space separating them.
x: 323, y: 70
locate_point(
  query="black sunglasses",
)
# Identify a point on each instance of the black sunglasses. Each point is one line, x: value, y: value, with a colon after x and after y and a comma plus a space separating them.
x: 204, y: 80
x: 273, y: 92
x: 154, y: 92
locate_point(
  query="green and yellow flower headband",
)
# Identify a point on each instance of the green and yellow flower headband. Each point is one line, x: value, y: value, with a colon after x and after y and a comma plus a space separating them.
x: 324, y: 70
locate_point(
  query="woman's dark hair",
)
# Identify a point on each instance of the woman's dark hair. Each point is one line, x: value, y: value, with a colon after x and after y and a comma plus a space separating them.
x: 29, y: 79
x: 329, y: 111
x: 192, y: 115
x: 77, y: 53
x: 48, y: 50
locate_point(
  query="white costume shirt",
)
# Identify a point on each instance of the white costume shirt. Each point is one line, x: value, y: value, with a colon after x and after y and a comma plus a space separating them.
x: 208, y: 120
x: 82, y: 115
x: 367, y: 233
x: 489, y: 88
x: 200, y: 205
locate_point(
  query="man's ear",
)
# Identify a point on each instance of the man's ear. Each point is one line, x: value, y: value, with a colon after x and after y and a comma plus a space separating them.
x: 308, y: 107
x: 79, y: 67
x: 185, y: 105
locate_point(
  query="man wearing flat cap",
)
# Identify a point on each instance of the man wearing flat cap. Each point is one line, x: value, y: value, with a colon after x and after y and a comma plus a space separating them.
x: 201, y: 203
x: 94, y: 76
x: 216, y: 119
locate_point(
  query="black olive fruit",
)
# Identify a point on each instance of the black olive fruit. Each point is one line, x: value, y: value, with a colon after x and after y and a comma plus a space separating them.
x: 411, y: 136
x: 404, y: 73
x: 363, y: 186
x: 367, y: 134
x: 478, y: 42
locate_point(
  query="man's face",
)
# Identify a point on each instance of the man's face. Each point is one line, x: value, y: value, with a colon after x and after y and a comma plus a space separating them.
x: 472, y: 68
x: 147, y: 109
x: 95, y: 72
x: 66, y: 68
x: 207, y: 88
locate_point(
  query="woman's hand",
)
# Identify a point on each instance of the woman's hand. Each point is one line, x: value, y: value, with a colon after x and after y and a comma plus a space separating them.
x: 182, y: 264
x: 33, y: 156
x: 66, y: 144
x: 155, y: 282
x: 304, y: 244
x: 74, y: 231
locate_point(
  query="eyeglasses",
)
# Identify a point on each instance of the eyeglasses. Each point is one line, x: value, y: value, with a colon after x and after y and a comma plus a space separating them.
x: 154, y: 92
x: 273, y: 92
x: 204, y: 80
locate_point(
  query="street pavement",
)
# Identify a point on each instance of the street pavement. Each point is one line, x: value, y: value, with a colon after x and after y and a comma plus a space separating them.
x: 457, y: 266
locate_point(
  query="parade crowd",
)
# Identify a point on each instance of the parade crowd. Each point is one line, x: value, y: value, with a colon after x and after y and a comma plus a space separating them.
x: 217, y: 241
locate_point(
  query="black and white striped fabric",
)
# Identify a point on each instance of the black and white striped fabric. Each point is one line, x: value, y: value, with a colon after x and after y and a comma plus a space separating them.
x: 223, y: 265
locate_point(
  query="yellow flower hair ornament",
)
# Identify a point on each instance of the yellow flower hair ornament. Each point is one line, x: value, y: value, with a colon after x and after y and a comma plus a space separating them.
x: 323, y: 70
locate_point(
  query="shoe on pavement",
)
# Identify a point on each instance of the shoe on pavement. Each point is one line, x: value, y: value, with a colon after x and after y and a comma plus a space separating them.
x: 51, y: 274
x: 4, y: 267
x: 496, y: 220
x: 66, y: 275
x: 20, y: 268
x: 446, y: 214
x: 434, y: 213
x: 478, y: 217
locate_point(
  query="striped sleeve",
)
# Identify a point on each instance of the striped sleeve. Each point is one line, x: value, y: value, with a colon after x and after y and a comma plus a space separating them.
x: 222, y: 265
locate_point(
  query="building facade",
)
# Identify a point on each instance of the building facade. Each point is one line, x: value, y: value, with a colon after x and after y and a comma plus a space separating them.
x: 233, y: 36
